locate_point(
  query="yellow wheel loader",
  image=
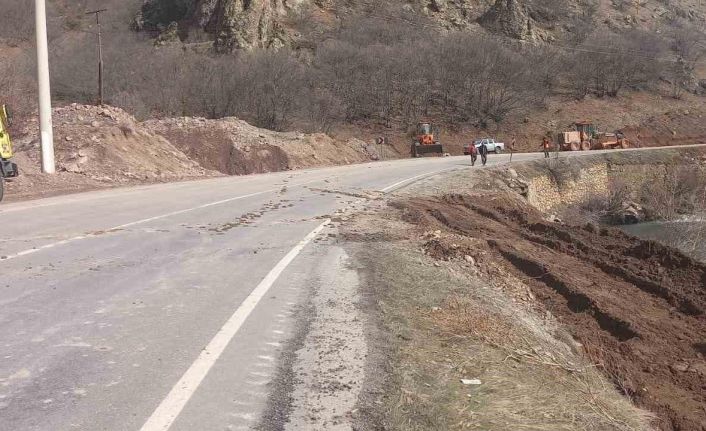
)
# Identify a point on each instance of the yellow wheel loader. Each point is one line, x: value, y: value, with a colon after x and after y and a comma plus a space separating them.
x: 586, y: 136
x: 7, y: 168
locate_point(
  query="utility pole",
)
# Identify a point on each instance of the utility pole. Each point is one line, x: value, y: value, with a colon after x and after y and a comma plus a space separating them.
x: 637, y: 10
x: 100, y: 54
x: 46, y: 135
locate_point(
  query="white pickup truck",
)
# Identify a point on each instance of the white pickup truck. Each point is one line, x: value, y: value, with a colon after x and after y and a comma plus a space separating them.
x: 493, y: 147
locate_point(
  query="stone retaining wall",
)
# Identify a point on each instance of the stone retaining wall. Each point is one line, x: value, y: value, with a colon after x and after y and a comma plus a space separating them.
x: 546, y: 193
x: 549, y: 191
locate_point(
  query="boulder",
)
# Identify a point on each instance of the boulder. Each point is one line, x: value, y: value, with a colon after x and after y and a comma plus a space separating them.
x: 631, y: 213
x: 233, y: 23
x: 508, y: 17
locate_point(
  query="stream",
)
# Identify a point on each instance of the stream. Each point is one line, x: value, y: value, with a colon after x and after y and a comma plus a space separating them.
x: 689, y: 236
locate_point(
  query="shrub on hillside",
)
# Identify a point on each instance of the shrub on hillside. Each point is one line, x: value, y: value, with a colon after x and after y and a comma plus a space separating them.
x: 369, y: 69
x: 16, y: 20
x: 605, y: 64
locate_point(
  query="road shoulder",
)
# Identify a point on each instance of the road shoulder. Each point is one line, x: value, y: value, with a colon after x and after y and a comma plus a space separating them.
x: 320, y: 376
x: 458, y: 342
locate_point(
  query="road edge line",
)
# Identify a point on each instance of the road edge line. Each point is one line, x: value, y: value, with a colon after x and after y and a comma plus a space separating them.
x: 171, y: 407
x: 139, y: 222
x: 399, y: 184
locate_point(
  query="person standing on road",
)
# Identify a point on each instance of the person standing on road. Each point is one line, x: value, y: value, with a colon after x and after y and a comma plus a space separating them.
x: 483, y: 150
x: 546, y: 144
x: 474, y: 153
x: 512, y: 148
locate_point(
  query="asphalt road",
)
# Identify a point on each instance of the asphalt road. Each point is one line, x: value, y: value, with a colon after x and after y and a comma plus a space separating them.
x: 168, y: 306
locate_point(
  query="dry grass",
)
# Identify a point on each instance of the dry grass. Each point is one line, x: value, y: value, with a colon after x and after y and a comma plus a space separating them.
x: 537, y: 381
x: 450, y: 325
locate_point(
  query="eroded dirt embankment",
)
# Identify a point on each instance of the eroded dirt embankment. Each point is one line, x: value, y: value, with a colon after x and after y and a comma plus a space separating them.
x: 471, y: 280
x: 637, y: 307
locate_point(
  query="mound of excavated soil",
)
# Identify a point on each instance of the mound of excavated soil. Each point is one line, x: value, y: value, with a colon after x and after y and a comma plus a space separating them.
x: 97, y: 147
x: 636, y: 307
x: 234, y: 147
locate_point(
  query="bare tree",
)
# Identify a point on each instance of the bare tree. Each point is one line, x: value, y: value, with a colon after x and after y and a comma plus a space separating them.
x: 688, y: 45
x: 16, y: 20
x: 605, y: 64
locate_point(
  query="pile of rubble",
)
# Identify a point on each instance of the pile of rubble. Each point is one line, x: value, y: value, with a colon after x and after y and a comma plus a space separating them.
x: 103, y: 146
x: 96, y: 147
x: 107, y: 144
x: 234, y: 147
x: 515, y: 183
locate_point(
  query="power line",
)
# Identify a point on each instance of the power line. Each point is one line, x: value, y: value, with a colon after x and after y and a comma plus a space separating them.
x: 664, y: 59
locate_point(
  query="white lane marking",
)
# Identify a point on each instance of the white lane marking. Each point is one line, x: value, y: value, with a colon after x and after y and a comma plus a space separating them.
x: 134, y: 223
x: 170, y: 408
x: 408, y: 180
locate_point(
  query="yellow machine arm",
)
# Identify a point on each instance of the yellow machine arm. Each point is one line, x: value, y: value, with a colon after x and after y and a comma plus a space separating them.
x: 5, y: 142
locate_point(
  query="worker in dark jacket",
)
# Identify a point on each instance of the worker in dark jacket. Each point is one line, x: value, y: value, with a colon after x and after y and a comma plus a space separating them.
x: 483, y: 151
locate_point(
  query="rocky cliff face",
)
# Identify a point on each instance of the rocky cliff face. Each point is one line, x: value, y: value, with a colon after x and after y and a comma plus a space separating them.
x: 233, y: 24
x: 508, y: 17
x: 238, y: 24
x: 247, y: 23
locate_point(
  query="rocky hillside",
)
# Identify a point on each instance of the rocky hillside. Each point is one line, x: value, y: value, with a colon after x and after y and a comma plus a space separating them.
x: 233, y: 24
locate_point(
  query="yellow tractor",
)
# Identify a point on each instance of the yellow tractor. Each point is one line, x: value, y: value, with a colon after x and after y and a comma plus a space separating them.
x: 586, y: 136
x: 426, y: 140
x: 7, y: 168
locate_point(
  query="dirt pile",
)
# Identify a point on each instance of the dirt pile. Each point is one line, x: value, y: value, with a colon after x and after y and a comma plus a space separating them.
x: 234, y: 147
x: 636, y: 307
x: 97, y: 147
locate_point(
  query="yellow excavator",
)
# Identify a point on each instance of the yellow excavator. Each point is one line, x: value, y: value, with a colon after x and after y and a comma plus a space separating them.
x: 8, y: 169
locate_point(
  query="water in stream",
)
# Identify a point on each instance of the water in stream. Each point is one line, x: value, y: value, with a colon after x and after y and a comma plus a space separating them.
x: 688, y: 236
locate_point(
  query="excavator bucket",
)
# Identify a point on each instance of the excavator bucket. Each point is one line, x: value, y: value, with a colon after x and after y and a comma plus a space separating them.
x: 418, y: 150
x: 426, y: 141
